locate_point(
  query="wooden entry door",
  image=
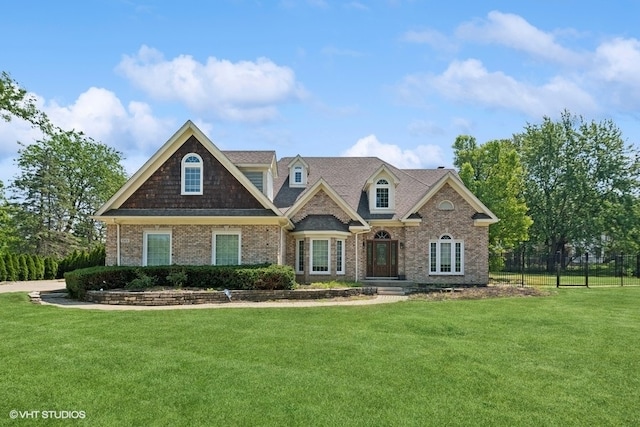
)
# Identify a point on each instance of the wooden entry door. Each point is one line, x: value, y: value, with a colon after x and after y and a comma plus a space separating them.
x: 382, y: 258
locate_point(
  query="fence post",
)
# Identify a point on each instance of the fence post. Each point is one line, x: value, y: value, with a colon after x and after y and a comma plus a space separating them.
x: 586, y: 269
x: 558, y: 269
x: 637, y: 266
x: 522, y: 268
x: 622, y: 269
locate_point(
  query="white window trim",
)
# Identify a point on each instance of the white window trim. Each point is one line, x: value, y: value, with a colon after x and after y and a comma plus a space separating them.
x: 182, y: 175
x: 373, y: 195
x: 438, y: 243
x: 342, y: 257
x: 303, y: 175
x: 446, y: 205
x: 310, y: 267
x: 146, y: 233
x: 298, y: 242
x: 225, y: 232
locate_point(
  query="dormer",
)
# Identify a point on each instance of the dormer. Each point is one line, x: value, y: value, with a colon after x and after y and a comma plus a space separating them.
x: 259, y: 167
x: 381, y: 191
x: 298, y: 172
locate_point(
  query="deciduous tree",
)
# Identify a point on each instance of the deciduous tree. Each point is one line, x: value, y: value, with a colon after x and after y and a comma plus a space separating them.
x: 581, y: 181
x: 492, y: 171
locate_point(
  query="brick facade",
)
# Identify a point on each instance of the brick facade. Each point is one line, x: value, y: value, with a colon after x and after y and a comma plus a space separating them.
x: 192, y: 244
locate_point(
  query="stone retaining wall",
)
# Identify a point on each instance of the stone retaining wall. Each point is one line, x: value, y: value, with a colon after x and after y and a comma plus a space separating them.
x: 181, y: 297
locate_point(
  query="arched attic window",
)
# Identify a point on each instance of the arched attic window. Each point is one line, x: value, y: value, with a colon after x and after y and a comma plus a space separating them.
x: 445, y: 205
x: 191, y: 174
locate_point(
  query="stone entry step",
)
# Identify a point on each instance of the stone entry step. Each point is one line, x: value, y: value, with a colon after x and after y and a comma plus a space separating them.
x: 390, y: 290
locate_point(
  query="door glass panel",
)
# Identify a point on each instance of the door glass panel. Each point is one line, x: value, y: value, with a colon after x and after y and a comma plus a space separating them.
x: 381, y: 254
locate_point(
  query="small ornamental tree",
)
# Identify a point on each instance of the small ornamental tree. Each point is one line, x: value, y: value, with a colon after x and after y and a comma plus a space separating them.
x: 31, y: 267
x: 23, y: 268
x: 3, y: 270
x: 50, y: 268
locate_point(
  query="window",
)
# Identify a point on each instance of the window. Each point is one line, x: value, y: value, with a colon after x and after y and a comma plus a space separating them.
x: 319, y: 256
x: 156, y: 248
x: 445, y: 205
x: 339, y: 256
x: 382, y: 194
x: 256, y: 179
x: 300, y: 256
x: 382, y: 235
x: 297, y: 175
x: 226, y: 248
x: 191, y: 174
x: 446, y: 256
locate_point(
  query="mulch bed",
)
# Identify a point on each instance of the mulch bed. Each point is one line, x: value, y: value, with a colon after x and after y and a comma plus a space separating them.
x: 480, y: 293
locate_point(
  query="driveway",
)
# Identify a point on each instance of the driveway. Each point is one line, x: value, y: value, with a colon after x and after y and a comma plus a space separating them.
x: 31, y: 286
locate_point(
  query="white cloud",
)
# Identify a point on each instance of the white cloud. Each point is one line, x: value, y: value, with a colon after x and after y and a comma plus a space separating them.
x: 515, y: 32
x: 99, y: 113
x: 418, y: 157
x: 241, y: 91
x: 469, y: 81
x: 430, y: 37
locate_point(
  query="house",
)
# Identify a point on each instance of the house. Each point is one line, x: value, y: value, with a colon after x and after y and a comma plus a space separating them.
x: 344, y: 218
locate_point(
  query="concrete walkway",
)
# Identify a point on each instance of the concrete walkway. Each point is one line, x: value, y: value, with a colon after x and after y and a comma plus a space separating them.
x: 53, y: 292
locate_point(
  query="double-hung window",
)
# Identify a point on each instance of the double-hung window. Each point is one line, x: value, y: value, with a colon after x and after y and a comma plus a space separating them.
x: 156, y: 247
x: 382, y: 194
x: 446, y: 256
x: 192, y: 174
x: 320, y: 256
x: 226, y: 248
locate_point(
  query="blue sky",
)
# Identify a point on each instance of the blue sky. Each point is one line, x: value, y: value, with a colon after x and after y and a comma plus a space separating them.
x: 395, y: 79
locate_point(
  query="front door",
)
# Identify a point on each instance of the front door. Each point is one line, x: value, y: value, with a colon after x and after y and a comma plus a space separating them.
x: 382, y: 258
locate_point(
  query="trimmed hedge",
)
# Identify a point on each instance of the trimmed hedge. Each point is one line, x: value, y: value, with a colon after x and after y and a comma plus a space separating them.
x: 244, y: 277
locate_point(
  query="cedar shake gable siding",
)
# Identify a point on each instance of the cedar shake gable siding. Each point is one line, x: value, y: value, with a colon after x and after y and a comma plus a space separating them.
x: 220, y: 189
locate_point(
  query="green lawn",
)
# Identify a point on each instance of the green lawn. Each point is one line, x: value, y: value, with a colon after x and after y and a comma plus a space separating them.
x: 568, y: 359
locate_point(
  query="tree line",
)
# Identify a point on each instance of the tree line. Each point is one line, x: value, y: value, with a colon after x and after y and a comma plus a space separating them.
x: 63, y: 178
x: 565, y: 187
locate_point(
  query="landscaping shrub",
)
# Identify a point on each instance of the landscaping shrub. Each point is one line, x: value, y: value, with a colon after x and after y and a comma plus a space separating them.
x: 142, y: 281
x: 245, y: 277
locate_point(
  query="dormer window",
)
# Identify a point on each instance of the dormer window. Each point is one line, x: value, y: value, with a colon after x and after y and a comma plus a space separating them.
x: 297, y: 175
x: 191, y: 174
x: 382, y: 194
x: 298, y: 171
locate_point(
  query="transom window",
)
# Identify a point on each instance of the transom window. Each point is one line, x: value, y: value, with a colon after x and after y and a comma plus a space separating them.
x: 191, y: 174
x: 446, y: 256
x: 382, y: 235
x: 382, y: 194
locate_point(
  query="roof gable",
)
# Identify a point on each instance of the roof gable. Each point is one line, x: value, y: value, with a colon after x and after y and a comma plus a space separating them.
x: 486, y: 217
x: 158, y: 175
x: 322, y: 186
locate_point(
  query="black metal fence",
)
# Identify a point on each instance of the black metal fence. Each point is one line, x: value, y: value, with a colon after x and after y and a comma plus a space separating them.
x: 544, y: 269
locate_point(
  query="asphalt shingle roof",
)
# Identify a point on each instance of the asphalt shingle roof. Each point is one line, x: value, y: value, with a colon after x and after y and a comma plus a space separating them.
x: 347, y: 176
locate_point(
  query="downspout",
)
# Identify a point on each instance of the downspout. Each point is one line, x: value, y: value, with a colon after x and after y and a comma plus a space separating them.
x: 117, y: 244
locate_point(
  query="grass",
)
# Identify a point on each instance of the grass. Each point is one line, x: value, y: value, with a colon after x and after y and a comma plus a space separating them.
x: 567, y: 359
